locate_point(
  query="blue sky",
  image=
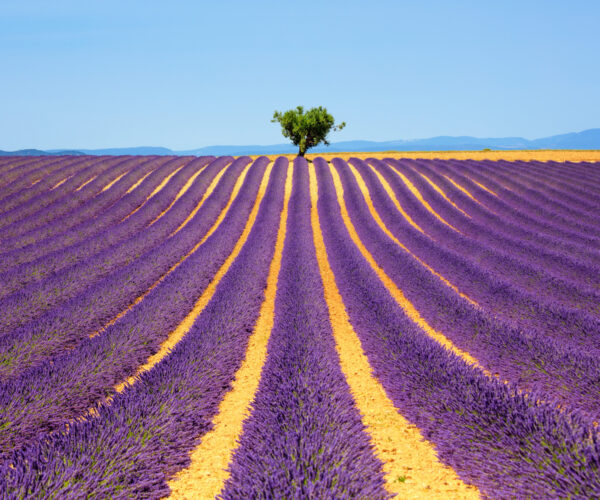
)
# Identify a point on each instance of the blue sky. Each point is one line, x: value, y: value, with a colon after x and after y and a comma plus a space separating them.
x: 93, y: 74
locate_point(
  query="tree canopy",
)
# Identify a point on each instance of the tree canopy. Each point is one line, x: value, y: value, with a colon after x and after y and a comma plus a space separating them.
x: 306, y: 129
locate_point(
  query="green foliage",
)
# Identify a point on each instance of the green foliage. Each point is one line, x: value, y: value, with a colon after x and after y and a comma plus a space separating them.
x: 306, y: 129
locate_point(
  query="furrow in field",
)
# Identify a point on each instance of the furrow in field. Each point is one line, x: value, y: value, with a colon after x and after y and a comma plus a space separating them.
x: 148, y: 430
x: 139, y: 182
x: 486, y: 189
x: 507, y: 444
x: 395, y: 292
x: 193, y: 213
x: 14, y: 169
x: 443, y: 195
x: 458, y: 186
x: 42, y: 244
x: 19, y: 188
x: 64, y: 283
x: 207, y: 471
x: 183, y: 328
x: 417, y: 194
x: 471, y: 264
x: 113, y: 182
x: 578, y: 188
x: 93, y: 178
x: 158, y: 189
x: 396, y: 202
x: 557, y: 214
x: 36, y: 198
x: 570, y: 169
x: 40, y: 198
x: 304, y: 421
x: 412, y: 469
x: 583, y: 176
x: 60, y: 208
x: 64, y: 326
x: 530, y: 360
x: 569, y: 206
x: 49, y: 396
x: 181, y: 192
x: 58, y: 184
x: 495, y: 294
x: 216, y: 224
x: 559, y: 258
x: 374, y: 213
x: 513, y: 208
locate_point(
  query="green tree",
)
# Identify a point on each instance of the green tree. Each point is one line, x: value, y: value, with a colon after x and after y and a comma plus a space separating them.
x: 306, y: 130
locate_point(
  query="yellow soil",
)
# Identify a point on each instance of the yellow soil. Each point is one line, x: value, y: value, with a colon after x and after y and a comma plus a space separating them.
x: 207, y: 473
x: 111, y: 184
x: 464, y: 190
x: 210, y: 189
x: 486, y: 188
x: 59, y: 184
x: 418, y: 195
x: 443, y: 194
x: 182, y: 328
x: 367, y: 196
x: 181, y: 192
x: 390, y: 193
x: 398, y: 444
x: 153, y: 193
x: 470, y: 195
x: 34, y: 182
x: 139, y: 182
x: 86, y: 183
x: 520, y: 155
x: 394, y: 291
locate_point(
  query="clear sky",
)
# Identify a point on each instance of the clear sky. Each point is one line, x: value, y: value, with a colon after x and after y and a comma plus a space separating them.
x: 187, y: 74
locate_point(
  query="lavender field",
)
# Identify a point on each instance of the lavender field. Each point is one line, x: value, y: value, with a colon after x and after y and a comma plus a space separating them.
x: 202, y: 327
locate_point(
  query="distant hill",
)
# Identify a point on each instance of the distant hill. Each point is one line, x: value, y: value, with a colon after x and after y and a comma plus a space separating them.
x: 588, y: 139
x: 142, y: 150
x: 39, y: 152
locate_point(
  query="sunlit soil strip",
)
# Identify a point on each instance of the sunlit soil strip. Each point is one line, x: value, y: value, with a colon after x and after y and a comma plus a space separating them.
x: 395, y: 292
x: 417, y: 194
x: 470, y: 195
x: 60, y: 183
x: 390, y: 192
x: 156, y: 190
x: 411, y: 467
x: 442, y: 194
x: 486, y: 188
x: 108, y: 186
x: 210, y: 189
x: 367, y: 196
x: 139, y: 182
x: 234, y: 194
x: 176, y: 335
x: 86, y: 183
x: 34, y: 182
x: 181, y: 192
x: 207, y: 472
x: 464, y: 190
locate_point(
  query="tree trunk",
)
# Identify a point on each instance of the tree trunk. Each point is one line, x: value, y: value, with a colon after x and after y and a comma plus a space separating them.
x: 301, y: 152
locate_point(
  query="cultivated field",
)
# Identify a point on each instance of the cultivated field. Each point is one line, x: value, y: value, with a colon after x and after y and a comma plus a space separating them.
x: 516, y: 155
x: 260, y: 328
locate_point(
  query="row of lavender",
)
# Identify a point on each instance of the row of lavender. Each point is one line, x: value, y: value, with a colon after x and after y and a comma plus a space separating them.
x: 519, y: 335
x: 426, y: 384
x: 42, y: 393
x: 506, y: 442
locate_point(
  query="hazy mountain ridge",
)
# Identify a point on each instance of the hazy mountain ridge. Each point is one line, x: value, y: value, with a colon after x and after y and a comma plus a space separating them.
x: 587, y: 139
